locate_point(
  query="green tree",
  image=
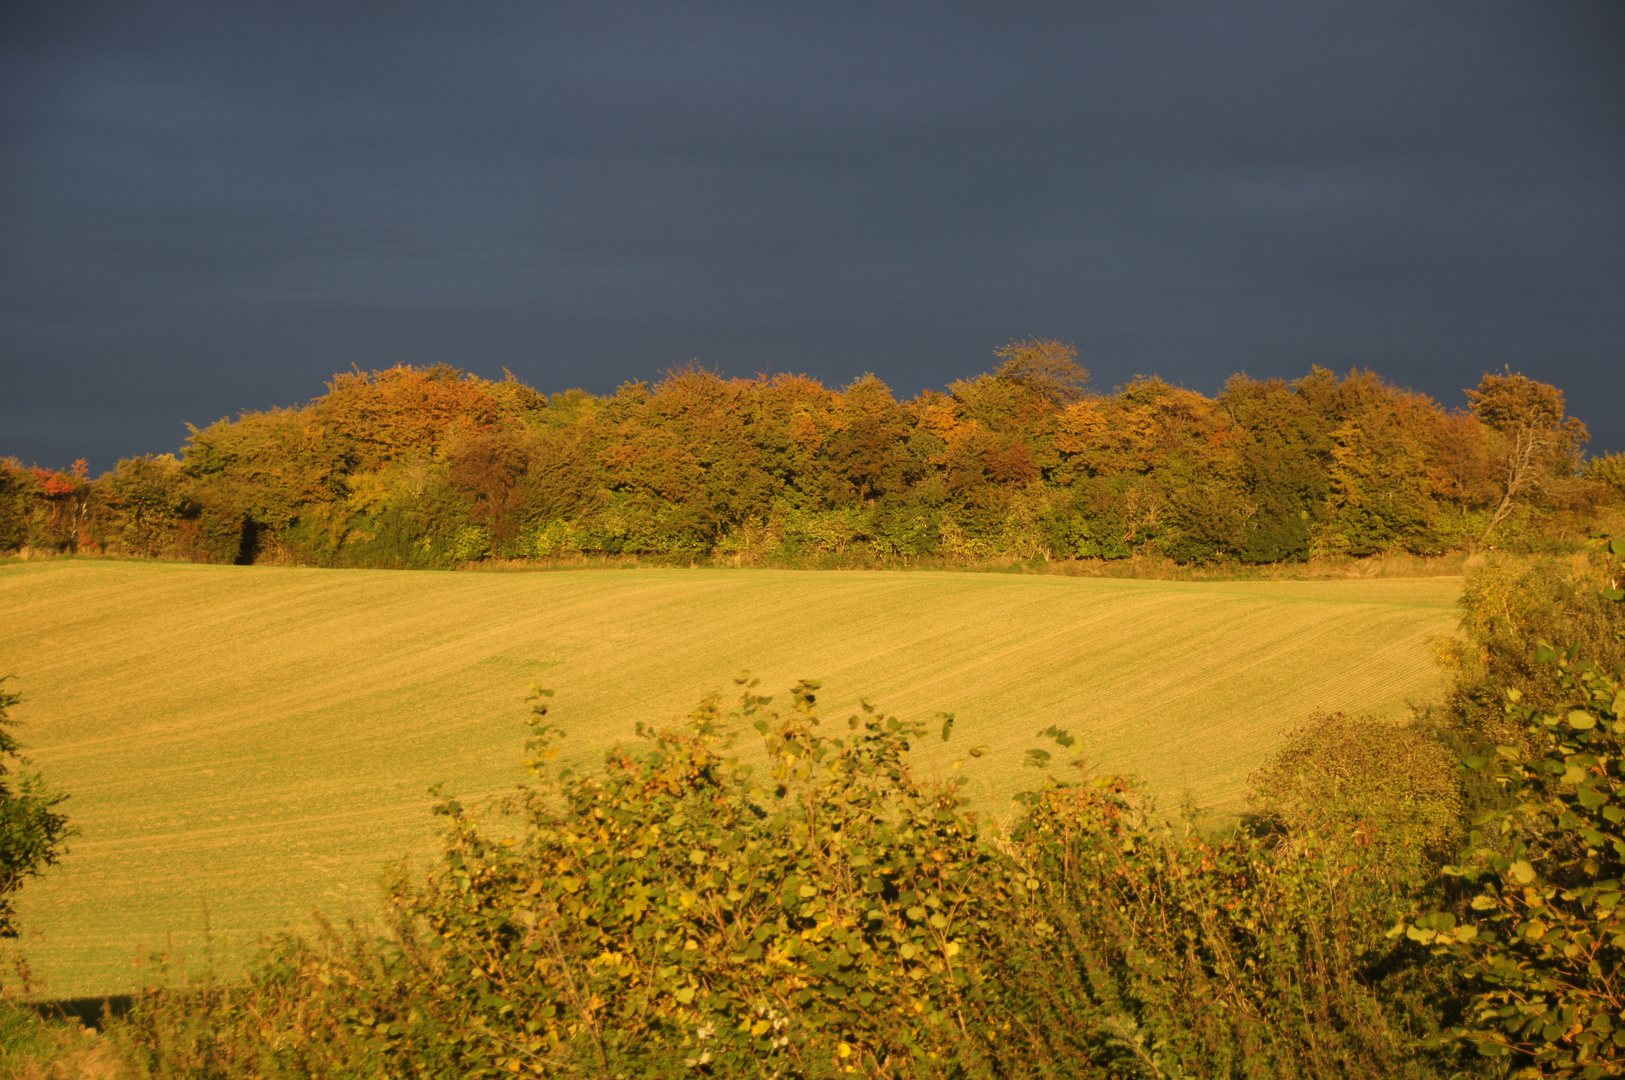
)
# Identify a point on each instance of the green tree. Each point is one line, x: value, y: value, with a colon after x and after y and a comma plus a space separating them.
x: 1608, y: 470
x: 147, y: 496
x: 32, y: 832
x: 19, y: 487
x: 1282, y: 449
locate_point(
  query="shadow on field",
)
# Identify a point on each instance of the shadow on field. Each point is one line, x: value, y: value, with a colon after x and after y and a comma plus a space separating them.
x: 92, y: 1012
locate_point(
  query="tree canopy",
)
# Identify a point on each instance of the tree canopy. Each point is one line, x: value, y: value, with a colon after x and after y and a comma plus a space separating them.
x: 434, y: 466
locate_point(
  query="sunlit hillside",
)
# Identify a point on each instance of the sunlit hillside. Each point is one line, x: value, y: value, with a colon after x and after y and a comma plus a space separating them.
x: 244, y: 744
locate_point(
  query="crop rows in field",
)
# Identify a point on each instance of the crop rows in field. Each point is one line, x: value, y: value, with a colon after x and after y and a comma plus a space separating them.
x: 244, y: 744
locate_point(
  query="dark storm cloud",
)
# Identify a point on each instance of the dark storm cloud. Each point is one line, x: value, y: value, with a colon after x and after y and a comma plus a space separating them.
x: 210, y: 207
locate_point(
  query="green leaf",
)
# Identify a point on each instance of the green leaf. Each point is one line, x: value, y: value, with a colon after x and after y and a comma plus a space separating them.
x: 1521, y: 872
x: 1581, y: 720
x: 947, y: 725
x: 1038, y: 758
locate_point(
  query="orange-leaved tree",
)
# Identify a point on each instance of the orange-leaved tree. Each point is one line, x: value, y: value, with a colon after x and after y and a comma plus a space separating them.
x: 1536, y: 442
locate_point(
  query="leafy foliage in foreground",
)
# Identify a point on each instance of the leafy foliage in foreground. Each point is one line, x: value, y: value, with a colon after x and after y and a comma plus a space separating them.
x: 819, y: 910
x: 835, y: 912
x: 1150, y: 950
x: 1542, y: 939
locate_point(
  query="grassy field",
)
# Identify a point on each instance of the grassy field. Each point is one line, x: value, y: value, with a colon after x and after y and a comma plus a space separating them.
x: 246, y: 744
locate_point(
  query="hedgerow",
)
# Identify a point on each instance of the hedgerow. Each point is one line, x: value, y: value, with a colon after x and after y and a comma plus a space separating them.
x: 418, y: 467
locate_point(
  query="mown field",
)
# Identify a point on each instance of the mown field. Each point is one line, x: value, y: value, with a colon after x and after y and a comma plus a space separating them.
x: 245, y: 744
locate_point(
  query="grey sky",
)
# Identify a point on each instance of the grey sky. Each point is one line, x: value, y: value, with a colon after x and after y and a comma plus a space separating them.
x: 211, y: 207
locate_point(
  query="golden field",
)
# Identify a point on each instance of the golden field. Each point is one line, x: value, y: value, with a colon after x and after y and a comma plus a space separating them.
x: 246, y: 744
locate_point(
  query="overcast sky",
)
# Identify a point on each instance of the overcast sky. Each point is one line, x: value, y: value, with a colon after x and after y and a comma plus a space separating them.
x: 212, y: 207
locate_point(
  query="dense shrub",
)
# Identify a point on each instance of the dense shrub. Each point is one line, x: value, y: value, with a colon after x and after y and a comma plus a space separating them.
x: 1388, y: 788
x: 1538, y: 935
x: 33, y: 831
x: 1511, y: 610
x: 1148, y: 950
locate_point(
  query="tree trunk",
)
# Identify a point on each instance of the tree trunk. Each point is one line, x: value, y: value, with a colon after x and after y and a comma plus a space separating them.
x: 1521, y: 464
x: 1496, y: 518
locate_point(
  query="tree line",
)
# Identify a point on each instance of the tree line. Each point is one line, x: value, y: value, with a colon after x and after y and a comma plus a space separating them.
x: 432, y: 466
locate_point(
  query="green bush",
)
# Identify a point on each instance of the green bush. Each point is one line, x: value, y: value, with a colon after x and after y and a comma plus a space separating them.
x: 33, y: 833
x: 1509, y: 607
x: 1387, y: 787
x: 1542, y: 940
x: 1540, y: 935
x: 677, y: 911
x: 1149, y: 951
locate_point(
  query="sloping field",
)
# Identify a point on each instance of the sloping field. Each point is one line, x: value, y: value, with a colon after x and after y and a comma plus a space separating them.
x: 244, y: 744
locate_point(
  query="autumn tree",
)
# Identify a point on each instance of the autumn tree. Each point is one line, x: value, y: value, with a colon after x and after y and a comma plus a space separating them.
x: 1536, y: 443
x: 487, y: 468
x: 1281, y: 449
x: 406, y: 410
x: 1048, y: 367
x: 265, y: 473
x: 865, y: 452
x: 147, y: 496
x: 67, y: 495
x: 1382, y: 478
